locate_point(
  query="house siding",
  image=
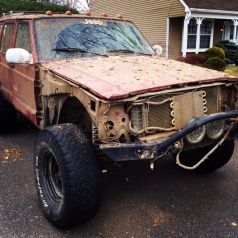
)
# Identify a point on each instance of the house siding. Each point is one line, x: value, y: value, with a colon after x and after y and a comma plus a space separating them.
x: 175, y: 37
x: 150, y: 16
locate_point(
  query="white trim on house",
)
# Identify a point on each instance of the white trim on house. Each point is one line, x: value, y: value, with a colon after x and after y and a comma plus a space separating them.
x: 212, y: 33
x: 235, y: 24
x: 213, y: 11
x: 200, y: 15
x: 197, y: 49
x: 193, y: 50
x: 187, y: 9
x: 185, y: 36
x: 215, y: 16
x: 199, y: 23
x: 228, y: 31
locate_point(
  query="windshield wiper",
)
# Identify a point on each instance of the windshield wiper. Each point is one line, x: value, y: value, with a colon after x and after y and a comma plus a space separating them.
x: 71, y: 49
x: 128, y: 52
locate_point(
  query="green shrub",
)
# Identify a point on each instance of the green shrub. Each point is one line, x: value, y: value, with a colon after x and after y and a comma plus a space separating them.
x: 231, y: 51
x: 215, y: 63
x: 232, y: 56
x: 215, y: 52
x: 227, y: 45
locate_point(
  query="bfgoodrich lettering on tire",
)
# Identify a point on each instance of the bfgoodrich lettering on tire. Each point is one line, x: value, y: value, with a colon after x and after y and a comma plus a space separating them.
x: 68, y: 178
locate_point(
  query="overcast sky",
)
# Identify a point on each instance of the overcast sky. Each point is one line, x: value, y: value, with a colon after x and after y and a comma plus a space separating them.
x: 80, y: 5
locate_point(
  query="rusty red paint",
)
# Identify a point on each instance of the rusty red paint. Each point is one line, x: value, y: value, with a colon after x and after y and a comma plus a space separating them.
x: 117, y: 77
x: 117, y: 114
x: 114, y: 77
x: 17, y: 82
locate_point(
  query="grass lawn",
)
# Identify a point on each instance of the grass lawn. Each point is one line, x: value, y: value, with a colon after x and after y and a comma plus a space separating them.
x: 232, y: 70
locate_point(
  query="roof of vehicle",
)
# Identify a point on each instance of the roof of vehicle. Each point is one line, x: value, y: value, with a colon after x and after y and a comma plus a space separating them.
x: 31, y: 16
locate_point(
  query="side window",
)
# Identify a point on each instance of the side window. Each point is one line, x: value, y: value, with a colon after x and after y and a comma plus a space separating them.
x: 7, y: 35
x: 23, y: 37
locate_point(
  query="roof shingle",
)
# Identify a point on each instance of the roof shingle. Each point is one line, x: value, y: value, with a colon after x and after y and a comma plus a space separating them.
x: 226, y: 5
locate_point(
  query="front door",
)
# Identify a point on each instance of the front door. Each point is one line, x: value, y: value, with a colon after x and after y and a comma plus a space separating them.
x: 228, y: 33
x: 17, y: 80
x: 24, y: 74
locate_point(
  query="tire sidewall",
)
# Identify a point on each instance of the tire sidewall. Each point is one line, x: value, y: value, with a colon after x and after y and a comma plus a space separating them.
x: 81, y: 179
x: 51, y: 209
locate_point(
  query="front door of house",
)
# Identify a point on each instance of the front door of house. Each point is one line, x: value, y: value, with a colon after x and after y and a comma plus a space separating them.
x: 228, y: 32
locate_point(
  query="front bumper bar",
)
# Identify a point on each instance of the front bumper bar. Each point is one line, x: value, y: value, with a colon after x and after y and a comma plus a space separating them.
x: 138, y: 151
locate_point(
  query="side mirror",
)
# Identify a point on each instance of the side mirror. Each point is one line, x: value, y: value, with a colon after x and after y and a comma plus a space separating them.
x: 18, y: 56
x: 158, y: 49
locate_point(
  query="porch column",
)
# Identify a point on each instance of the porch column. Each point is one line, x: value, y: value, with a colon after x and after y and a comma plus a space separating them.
x: 199, y: 22
x: 212, y: 33
x: 185, y: 35
x: 235, y: 22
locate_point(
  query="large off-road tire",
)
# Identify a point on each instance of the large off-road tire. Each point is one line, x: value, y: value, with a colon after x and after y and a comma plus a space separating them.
x: 216, y: 160
x: 8, y: 115
x: 68, y: 178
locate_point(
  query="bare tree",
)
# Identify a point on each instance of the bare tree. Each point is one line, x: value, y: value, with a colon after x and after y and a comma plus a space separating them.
x: 80, y: 5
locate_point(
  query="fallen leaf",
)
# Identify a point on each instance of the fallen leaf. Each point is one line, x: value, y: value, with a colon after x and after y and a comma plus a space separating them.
x: 234, y: 224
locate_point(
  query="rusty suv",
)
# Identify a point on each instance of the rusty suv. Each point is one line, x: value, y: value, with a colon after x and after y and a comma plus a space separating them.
x: 98, y: 92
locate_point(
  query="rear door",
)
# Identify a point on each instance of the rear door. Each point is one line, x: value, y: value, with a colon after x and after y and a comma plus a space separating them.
x: 6, y: 42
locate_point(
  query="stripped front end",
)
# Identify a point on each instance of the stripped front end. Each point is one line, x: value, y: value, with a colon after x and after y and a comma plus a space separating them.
x: 155, y: 124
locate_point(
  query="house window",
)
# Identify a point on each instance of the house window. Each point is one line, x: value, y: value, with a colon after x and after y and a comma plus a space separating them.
x: 205, y: 34
x: 205, y: 37
x: 192, y: 34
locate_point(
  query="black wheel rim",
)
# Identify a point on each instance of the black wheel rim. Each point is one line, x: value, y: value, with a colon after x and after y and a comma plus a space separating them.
x: 53, y: 177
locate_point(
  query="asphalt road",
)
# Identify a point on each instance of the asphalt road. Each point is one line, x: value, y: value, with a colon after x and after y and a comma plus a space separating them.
x: 138, y: 202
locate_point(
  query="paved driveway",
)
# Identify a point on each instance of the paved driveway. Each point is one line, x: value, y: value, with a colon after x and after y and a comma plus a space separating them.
x: 138, y: 202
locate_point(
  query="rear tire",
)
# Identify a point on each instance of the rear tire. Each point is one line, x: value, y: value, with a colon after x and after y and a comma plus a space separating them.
x: 215, y: 161
x: 8, y: 115
x: 68, y: 178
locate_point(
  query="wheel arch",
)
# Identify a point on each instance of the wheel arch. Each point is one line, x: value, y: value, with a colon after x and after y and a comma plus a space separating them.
x: 74, y: 111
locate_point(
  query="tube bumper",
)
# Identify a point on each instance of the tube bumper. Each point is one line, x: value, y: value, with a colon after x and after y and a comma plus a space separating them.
x: 138, y: 151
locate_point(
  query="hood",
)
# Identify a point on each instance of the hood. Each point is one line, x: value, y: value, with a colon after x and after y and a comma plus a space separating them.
x: 117, y: 77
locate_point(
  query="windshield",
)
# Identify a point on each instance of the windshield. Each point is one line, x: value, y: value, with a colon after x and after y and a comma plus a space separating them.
x: 63, y: 38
